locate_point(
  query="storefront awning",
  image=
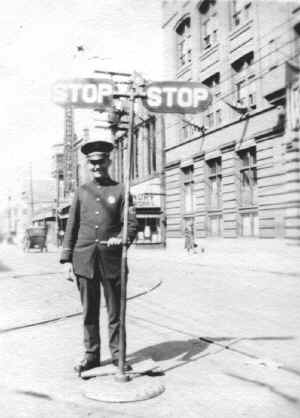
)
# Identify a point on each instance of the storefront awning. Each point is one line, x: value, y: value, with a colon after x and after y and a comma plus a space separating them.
x: 148, y: 212
x: 148, y: 215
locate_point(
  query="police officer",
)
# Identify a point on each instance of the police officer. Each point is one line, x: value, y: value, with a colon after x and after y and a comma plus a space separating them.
x: 92, y: 251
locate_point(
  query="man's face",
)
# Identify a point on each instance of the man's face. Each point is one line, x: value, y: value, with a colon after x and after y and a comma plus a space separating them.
x: 99, y: 167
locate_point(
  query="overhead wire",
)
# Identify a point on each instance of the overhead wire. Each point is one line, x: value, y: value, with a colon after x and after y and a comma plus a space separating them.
x: 231, y: 92
x: 260, y: 59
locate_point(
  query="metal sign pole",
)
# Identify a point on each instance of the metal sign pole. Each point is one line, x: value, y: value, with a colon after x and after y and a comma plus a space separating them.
x: 122, y: 342
x: 104, y: 389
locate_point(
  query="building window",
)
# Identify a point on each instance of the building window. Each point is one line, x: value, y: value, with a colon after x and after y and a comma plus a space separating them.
x: 242, y: 11
x: 294, y: 106
x: 297, y: 43
x: 150, y: 140
x: 215, y: 183
x: 184, y: 49
x: 249, y: 225
x: 188, y: 128
x: 248, y: 177
x: 188, y: 186
x: 272, y: 54
x: 244, y: 80
x: 215, y: 226
x: 209, y: 23
x: 210, y: 120
x: 185, y: 129
x: 135, y: 155
x: 212, y: 116
x: 218, y: 117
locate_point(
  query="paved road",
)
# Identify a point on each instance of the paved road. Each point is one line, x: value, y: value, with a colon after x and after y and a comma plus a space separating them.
x: 223, y: 327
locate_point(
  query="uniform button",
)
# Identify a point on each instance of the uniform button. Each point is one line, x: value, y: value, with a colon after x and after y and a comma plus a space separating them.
x: 98, y: 199
x: 97, y: 212
x: 96, y: 240
x: 96, y: 226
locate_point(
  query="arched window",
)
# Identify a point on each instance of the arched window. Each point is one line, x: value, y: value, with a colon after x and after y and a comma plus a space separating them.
x: 184, y: 49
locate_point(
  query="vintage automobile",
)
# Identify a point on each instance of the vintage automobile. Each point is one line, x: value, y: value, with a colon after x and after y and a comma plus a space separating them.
x: 35, y: 237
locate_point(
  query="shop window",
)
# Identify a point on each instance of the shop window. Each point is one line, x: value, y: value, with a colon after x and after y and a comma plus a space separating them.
x: 148, y: 230
x: 242, y: 11
x: 188, y: 186
x: 249, y: 224
x: 248, y: 177
x: 209, y: 24
x: 215, y: 183
x: 184, y: 49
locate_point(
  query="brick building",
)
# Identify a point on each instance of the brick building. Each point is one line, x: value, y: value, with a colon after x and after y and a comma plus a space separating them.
x: 233, y: 170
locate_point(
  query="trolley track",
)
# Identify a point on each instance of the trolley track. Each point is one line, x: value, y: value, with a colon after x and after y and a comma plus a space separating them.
x: 174, y: 316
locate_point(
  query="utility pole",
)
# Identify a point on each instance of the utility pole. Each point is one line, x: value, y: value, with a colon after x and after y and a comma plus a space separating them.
x: 57, y: 202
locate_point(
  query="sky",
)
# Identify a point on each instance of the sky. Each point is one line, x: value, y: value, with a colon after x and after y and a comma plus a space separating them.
x: 38, y: 45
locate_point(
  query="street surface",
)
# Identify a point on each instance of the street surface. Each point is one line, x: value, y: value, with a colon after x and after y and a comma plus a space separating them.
x: 222, y: 325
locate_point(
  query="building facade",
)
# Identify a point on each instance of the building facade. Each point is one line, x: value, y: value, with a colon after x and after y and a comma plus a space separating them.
x: 232, y: 169
x: 146, y: 176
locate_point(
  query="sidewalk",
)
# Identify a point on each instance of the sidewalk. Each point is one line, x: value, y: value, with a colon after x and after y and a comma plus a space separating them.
x: 269, y: 255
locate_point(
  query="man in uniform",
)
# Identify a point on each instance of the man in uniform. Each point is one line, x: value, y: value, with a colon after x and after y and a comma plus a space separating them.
x: 92, y: 251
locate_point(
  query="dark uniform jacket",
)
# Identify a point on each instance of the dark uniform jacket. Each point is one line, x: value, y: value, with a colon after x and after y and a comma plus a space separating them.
x: 96, y: 215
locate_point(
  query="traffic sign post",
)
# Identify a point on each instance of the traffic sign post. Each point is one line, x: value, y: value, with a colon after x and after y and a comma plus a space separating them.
x: 159, y: 97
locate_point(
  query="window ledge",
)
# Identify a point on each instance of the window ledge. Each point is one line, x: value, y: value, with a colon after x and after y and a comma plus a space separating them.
x: 214, y: 211
x: 240, y: 29
x: 181, y: 70
x: 248, y: 208
x: 205, y: 53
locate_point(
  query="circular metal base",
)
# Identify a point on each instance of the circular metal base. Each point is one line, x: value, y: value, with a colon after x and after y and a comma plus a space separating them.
x: 107, y: 389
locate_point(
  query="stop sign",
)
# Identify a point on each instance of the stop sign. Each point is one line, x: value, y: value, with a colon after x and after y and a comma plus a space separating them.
x: 177, y: 97
x: 84, y: 93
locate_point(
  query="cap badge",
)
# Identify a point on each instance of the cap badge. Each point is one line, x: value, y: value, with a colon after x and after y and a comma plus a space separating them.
x: 111, y: 199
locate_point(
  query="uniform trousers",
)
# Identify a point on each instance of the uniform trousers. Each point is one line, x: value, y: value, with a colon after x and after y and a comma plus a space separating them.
x: 90, y: 295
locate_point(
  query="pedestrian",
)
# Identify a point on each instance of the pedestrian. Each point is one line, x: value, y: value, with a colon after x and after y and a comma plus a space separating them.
x: 60, y: 237
x: 189, y: 237
x: 92, y: 251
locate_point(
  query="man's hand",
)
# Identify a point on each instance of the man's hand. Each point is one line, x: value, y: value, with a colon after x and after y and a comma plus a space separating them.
x: 68, y: 269
x: 114, y: 241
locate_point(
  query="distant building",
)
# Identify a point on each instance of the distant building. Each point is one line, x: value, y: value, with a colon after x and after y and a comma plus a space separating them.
x: 230, y: 169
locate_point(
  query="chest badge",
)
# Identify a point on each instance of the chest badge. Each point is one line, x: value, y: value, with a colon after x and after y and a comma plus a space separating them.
x: 111, y: 200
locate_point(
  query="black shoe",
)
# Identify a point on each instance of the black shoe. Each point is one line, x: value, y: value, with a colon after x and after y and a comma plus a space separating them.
x: 127, y: 366
x: 86, y: 364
